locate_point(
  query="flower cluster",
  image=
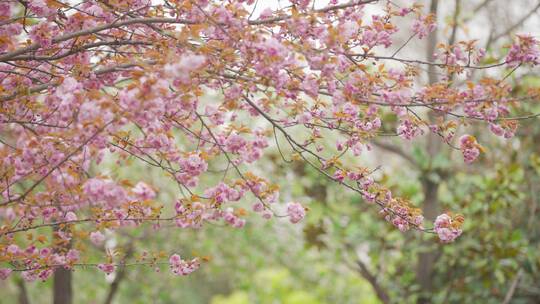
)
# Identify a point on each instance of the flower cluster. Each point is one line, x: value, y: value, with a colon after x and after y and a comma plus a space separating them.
x: 104, y: 191
x: 181, y: 69
x: 191, y: 167
x: 296, y: 212
x: 448, y: 228
x: 506, y: 129
x: 462, y: 54
x: 190, y: 214
x: 233, y: 219
x: 97, y: 238
x: 408, y: 129
x: 424, y: 25
x: 469, y: 147
x: 181, y: 267
x: 525, y: 50
x: 4, y: 273
x: 401, y: 214
x: 107, y: 268
x: 32, y: 260
x: 143, y: 191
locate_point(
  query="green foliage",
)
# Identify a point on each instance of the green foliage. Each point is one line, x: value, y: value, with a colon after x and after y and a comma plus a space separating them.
x: 276, y: 286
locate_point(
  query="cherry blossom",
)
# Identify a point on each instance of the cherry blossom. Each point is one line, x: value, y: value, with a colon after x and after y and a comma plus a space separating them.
x: 4, y: 273
x: 296, y: 212
x: 469, y: 147
x: 107, y: 268
x: 143, y: 191
x: 525, y: 50
x: 446, y: 227
x: 424, y: 25
x: 181, y: 267
x: 97, y: 238
x: 206, y: 94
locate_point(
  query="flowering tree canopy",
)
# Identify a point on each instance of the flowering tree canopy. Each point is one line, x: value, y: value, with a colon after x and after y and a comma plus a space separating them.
x: 135, y: 81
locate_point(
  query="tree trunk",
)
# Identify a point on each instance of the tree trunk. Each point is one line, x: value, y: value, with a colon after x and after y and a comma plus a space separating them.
x: 432, y: 44
x: 62, y: 293
x: 113, y: 290
x: 426, y: 260
x: 23, y: 294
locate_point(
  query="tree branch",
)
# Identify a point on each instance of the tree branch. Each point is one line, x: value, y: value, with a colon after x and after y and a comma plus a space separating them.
x: 23, y: 293
x: 513, y: 287
x: 121, y: 273
x: 517, y: 24
x: 396, y: 150
x: 97, y: 29
x: 366, y: 274
x: 158, y: 20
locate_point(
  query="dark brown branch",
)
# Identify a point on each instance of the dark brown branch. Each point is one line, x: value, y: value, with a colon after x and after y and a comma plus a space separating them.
x: 512, y: 290
x: 78, y: 49
x: 517, y: 24
x: 157, y: 20
x: 97, y: 29
x: 372, y: 279
x: 327, y: 9
x: 54, y: 224
x: 23, y: 293
x: 427, y: 63
x: 455, y: 22
x: 396, y: 150
x: 39, y: 88
x: 120, y: 275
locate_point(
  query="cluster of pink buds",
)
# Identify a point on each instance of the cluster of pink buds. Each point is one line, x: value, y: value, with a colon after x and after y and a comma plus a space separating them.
x: 448, y: 228
x: 296, y: 212
x: 424, y: 25
x: 469, y: 147
x: 524, y: 50
x: 181, y: 267
x: 107, y: 268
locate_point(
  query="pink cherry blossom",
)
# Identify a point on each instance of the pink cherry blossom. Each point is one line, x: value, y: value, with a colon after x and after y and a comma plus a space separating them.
x: 143, y: 191
x: 72, y: 256
x: 445, y: 231
x: 469, y: 147
x: 107, y: 268
x: 181, y: 267
x: 423, y: 26
x: 296, y: 212
x: 524, y: 50
x: 97, y: 238
x: 70, y: 216
x: 4, y: 273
